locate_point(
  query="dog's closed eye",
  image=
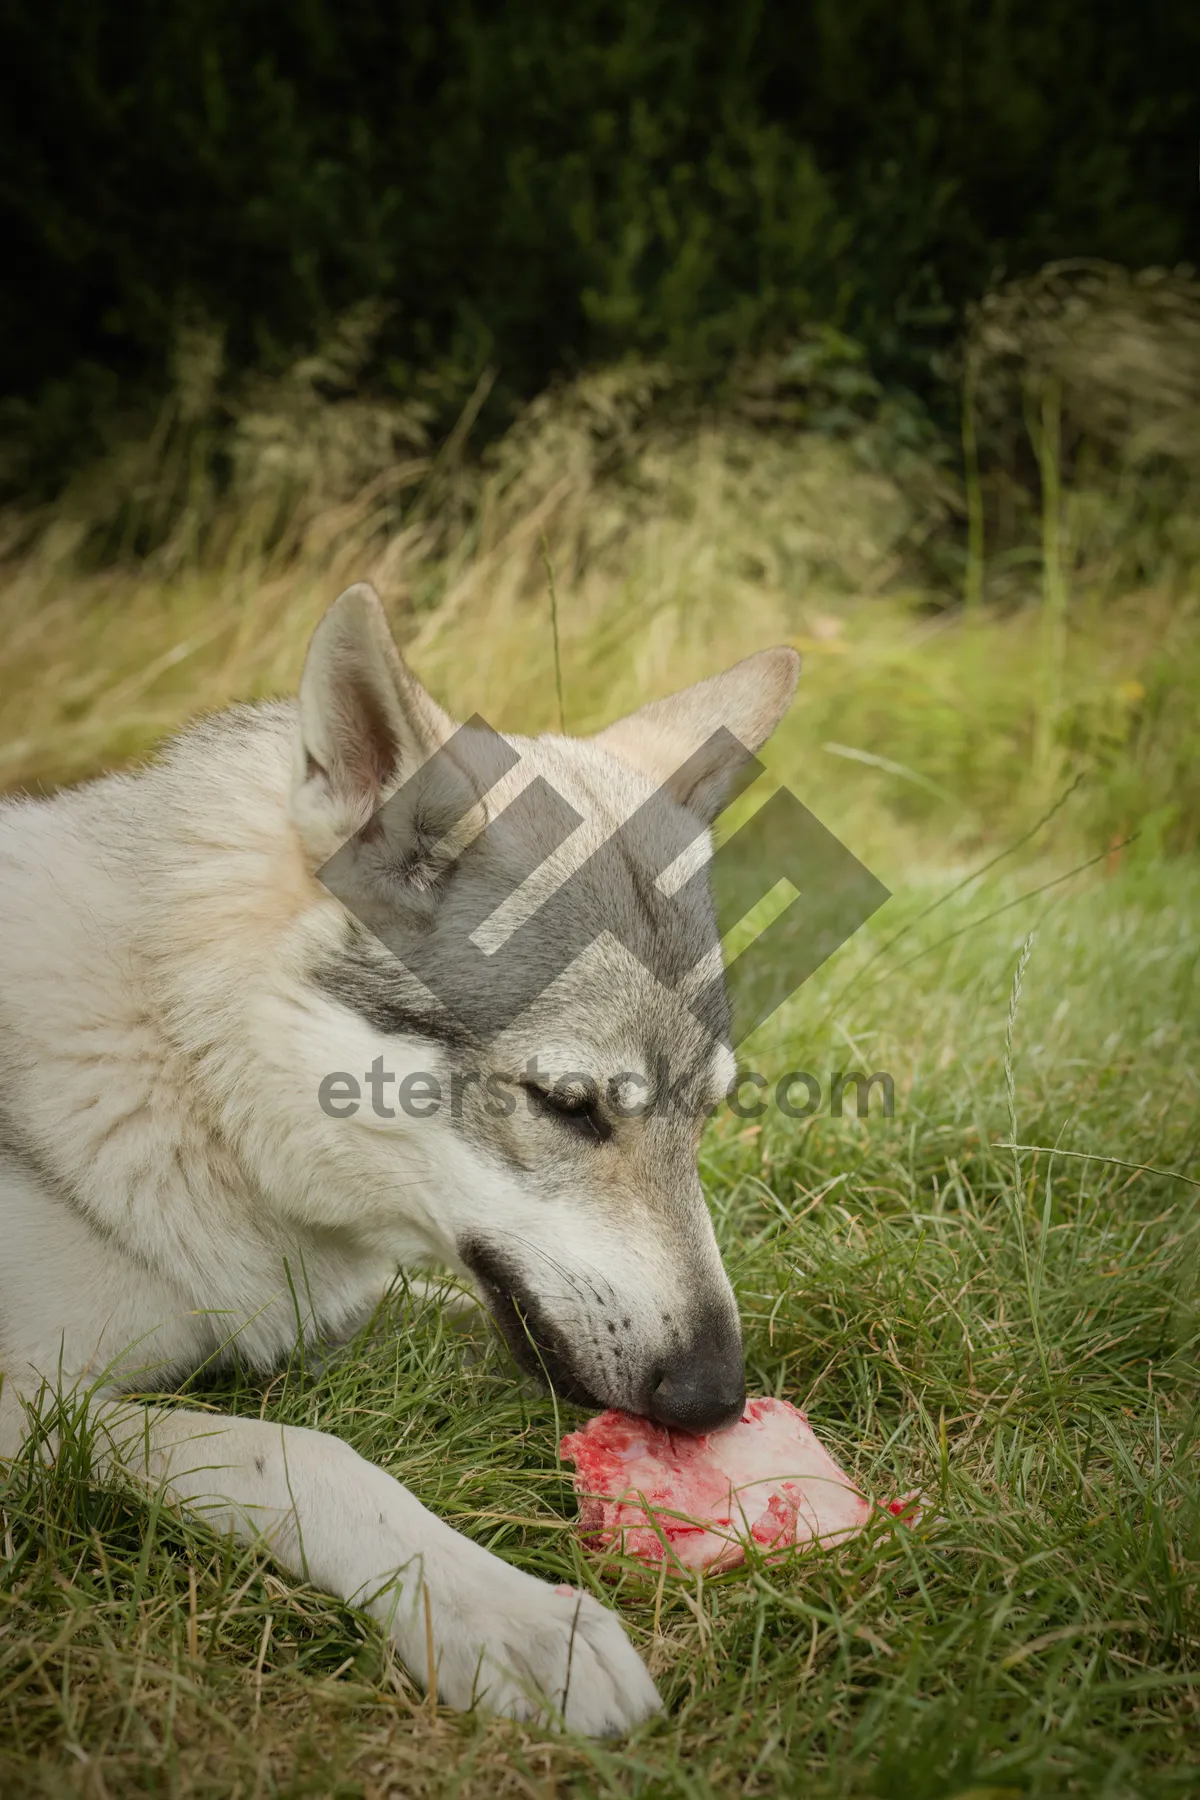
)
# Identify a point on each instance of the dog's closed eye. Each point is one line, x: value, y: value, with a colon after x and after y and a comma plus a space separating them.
x: 575, y: 1108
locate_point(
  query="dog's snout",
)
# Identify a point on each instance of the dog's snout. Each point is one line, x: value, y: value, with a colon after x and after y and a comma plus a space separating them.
x: 702, y: 1387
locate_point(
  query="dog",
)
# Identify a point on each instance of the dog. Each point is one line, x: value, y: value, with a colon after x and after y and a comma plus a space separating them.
x: 179, y: 987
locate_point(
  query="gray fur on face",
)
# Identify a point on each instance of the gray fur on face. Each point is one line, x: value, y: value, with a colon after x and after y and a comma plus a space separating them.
x: 603, y: 979
x: 426, y: 904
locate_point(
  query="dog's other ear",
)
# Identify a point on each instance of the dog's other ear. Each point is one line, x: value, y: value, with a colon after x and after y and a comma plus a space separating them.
x: 365, y: 722
x: 693, y: 743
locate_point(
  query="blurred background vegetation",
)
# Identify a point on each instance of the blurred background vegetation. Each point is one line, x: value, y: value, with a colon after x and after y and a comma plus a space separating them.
x: 537, y: 188
x: 866, y: 325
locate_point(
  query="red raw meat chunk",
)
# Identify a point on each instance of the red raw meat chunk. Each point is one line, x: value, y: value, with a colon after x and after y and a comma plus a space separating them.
x: 653, y: 1494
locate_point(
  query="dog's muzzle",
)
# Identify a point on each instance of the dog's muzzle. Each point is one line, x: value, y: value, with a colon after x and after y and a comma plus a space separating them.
x: 699, y: 1385
x: 535, y: 1343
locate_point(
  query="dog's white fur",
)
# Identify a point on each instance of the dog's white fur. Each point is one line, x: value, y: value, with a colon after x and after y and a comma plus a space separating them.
x: 165, y: 1164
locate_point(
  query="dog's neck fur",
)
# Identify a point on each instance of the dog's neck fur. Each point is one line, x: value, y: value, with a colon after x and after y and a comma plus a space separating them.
x: 149, y: 971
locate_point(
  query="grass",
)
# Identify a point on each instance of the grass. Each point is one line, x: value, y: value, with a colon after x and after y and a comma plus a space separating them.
x: 1013, y: 1332
x: 676, y: 542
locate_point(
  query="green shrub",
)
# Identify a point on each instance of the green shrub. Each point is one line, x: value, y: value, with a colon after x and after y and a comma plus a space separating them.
x: 537, y: 188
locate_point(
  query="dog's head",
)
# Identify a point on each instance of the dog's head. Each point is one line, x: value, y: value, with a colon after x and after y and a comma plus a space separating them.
x: 526, y: 941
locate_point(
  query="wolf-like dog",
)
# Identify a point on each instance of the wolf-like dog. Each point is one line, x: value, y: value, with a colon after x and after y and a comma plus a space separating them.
x: 176, y: 984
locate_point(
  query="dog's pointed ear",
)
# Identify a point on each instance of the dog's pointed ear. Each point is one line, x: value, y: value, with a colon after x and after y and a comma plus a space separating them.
x: 365, y: 722
x: 693, y: 743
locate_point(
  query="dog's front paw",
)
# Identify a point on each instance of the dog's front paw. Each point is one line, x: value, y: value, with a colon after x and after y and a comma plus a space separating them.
x: 519, y: 1647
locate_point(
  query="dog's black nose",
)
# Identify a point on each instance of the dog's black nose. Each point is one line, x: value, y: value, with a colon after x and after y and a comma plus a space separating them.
x: 703, y: 1387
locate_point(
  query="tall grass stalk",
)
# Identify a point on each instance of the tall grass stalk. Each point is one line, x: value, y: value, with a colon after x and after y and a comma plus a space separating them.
x: 973, y: 595
x: 558, y: 687
x: 1046, y: 436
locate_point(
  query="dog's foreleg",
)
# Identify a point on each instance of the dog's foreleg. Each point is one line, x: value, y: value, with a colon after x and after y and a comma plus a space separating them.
x: 500, y: 1638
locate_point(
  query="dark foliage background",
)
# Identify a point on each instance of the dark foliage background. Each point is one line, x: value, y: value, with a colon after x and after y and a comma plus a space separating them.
x: 532, y: 186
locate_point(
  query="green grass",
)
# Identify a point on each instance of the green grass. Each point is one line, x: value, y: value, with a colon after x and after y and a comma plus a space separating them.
x: 1013, y: 1333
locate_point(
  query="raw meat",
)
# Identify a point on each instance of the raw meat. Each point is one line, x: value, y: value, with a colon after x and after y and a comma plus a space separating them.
x: 657, y: 1495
